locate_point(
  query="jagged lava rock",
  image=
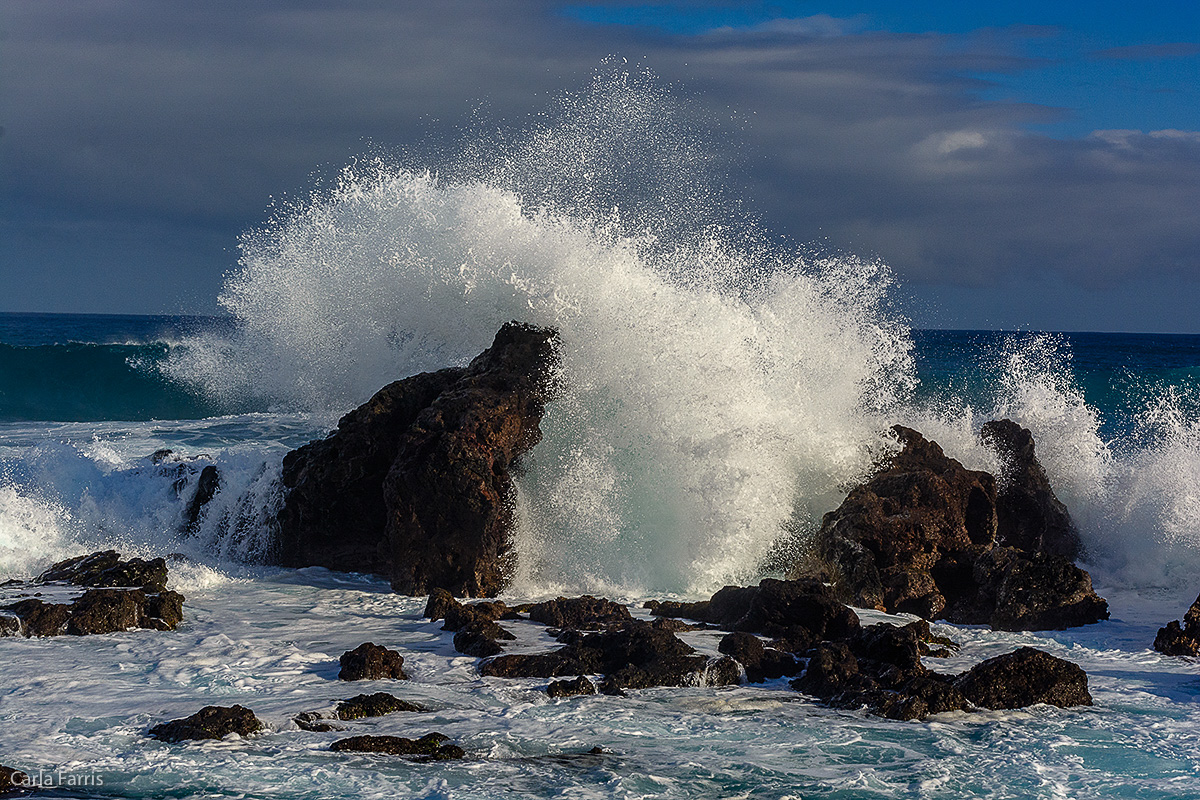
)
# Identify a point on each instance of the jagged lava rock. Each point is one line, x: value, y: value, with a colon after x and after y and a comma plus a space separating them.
x: 210, y: 722
x: 580, y: 613
x: 1022, y: 678
x: 102, y: 610
x: 1176, y: 640
x: 1028, y: 514
x: 921, y: 537
x: 106, y: 569
x: 415, y: 484
x: 636, y: 656
x: 371, y: 662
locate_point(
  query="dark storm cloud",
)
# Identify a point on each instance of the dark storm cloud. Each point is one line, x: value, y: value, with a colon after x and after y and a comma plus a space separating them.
x: 189, y: 117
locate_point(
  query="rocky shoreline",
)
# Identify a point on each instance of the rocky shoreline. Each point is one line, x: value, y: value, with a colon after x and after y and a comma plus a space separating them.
x: 416, y: 485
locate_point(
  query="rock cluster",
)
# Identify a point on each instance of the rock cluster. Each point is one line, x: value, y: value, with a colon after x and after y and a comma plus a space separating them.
x: 1181, y: 640
x: 929, y: 537
x: 105, y: 609
x: 210, y: 722
x: 415, y: 484
x: 878, y: 667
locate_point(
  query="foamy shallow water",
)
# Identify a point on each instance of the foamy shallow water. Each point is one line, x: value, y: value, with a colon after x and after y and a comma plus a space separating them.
x: 270, y: 640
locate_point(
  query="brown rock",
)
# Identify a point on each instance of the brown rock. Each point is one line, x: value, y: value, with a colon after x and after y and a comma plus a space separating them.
x: 415, y: 483
x: 1023, y: 678
x: 1177, y: 640
x: 374, y: 705
x: 12, y: 780
x: 575, y: 688
x: 1029, y: 515
x: 580, y: 613
x: 370, y: 662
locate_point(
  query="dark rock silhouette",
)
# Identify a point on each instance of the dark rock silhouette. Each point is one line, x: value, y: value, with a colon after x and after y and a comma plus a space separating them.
x: 210, y: 722
x: 12, y: 779
x: 373, y: 705
x: 1029, y: 515
x: 921, y: 536
x: 106, y: 569
x: 1177, y: 640
x: 415, y: 484
x: 580, y: 613
x: 430, y: 746
x: 371, y: 662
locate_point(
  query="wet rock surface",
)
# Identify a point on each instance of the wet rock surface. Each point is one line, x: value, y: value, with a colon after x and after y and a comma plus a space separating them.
x: 99, y: 610
x: 580, y: 613
x: 1024, y: 678
x: 636, y: 656
x: 929, y: 537
x: 431, y: 746
x: 415, y: 484
x: 210, y: 722
x: 12, y: 779
x: 576, y: 688
x: 1181, y: 640
x: 371, y: 662
x: 374, y: 705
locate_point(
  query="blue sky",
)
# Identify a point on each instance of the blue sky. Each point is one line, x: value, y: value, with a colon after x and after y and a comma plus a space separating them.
x: 1018, y: 165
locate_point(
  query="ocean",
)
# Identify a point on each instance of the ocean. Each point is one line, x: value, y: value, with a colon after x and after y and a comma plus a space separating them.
x: 717, y: 395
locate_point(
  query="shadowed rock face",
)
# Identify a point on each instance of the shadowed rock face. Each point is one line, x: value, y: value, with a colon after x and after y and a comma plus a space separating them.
x: 1029, y: 515
x: 1023, y: 678
x: 1177, y: 640
x: 416, y: 483
x: 929, y: 537
x: 430, y: 746
x: 370, y: 662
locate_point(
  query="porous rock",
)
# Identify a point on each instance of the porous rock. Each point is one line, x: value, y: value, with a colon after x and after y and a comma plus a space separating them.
x: 580, y: 613
x: 1023, y: 678
x: 374, y: 705
x: 1181, y: 640
x: 210, y: 722
x: 430, y: 746
x: 371, y: 662
x: 107, y: 569
x: 416, y: 483
x: 929, y: 537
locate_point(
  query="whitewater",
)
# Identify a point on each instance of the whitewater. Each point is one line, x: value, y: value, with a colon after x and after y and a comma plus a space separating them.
x: 718, y: 393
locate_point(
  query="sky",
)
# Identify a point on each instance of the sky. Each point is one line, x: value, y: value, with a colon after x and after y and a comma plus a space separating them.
x: 1018, y: 165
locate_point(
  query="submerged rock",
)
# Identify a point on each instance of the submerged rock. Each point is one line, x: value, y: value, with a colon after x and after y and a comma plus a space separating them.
x: 415, y: 484
x: 430, y: 746
x: 210, y: 722
x: 371, y: 662
x: 1177, y: 640
x: 374, y: 705
x: 315, y: 722
x: 929, y: 537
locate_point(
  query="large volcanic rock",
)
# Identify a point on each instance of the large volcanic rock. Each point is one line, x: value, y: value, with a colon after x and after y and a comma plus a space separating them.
x: 1177, y: 640
x: 415, y: 484
x: 1028, y: 514
x: 929, y: 537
